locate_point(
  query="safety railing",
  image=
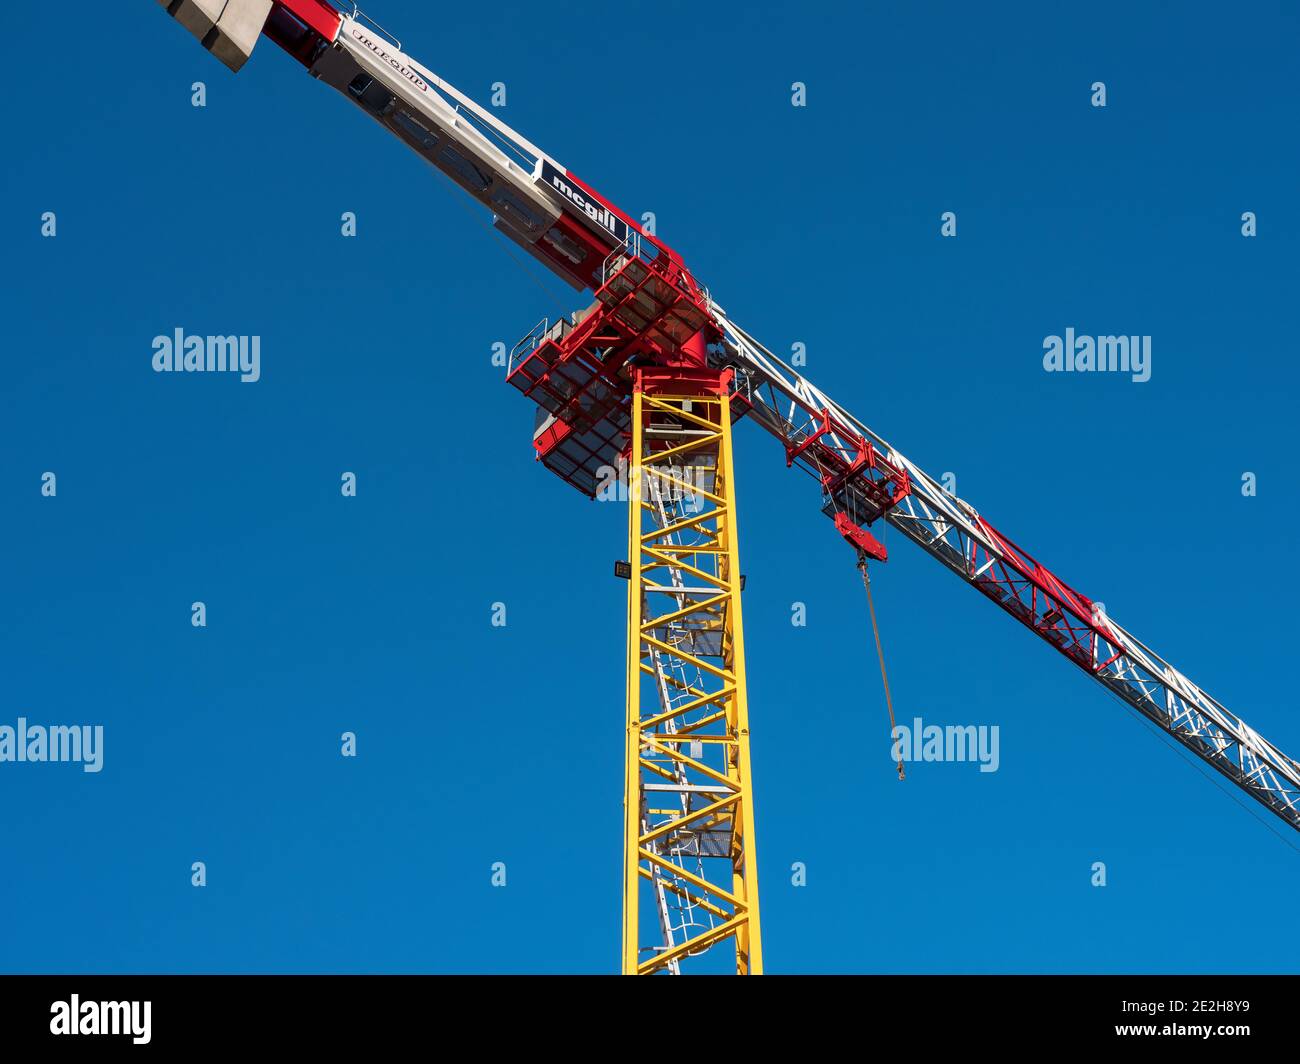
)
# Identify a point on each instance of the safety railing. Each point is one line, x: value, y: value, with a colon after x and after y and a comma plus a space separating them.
x: 645, y: 251
x: 528, y: 344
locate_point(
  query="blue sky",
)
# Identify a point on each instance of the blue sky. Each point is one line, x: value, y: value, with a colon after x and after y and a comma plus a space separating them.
x: 817, y: 225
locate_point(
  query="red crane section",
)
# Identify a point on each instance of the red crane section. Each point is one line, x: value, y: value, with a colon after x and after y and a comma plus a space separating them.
x: 648, y: 311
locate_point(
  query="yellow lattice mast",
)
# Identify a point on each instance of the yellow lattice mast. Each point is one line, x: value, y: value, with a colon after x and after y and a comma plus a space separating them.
x: 690, y: 875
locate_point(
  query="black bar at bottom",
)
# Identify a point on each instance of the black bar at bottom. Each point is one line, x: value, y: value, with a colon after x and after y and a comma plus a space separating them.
x: 543, y: 1015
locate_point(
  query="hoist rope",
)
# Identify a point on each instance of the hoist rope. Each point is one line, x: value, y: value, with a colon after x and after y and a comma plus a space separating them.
x: 880, y: 653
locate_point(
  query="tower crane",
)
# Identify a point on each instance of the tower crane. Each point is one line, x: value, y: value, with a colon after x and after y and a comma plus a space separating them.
x: 652, y: 375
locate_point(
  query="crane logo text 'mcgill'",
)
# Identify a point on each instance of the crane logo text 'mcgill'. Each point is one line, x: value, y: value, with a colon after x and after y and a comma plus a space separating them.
x: 598, y: 213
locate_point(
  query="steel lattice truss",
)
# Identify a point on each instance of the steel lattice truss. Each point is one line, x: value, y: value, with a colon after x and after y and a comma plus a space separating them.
x: 689, y: 837
x: 793, y: 409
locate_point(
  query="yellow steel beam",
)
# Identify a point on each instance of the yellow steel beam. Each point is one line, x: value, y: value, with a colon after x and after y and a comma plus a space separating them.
x: 694, y: 899
x: 632, y: 775
x: 709, y: 938
x: 686, y: 707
